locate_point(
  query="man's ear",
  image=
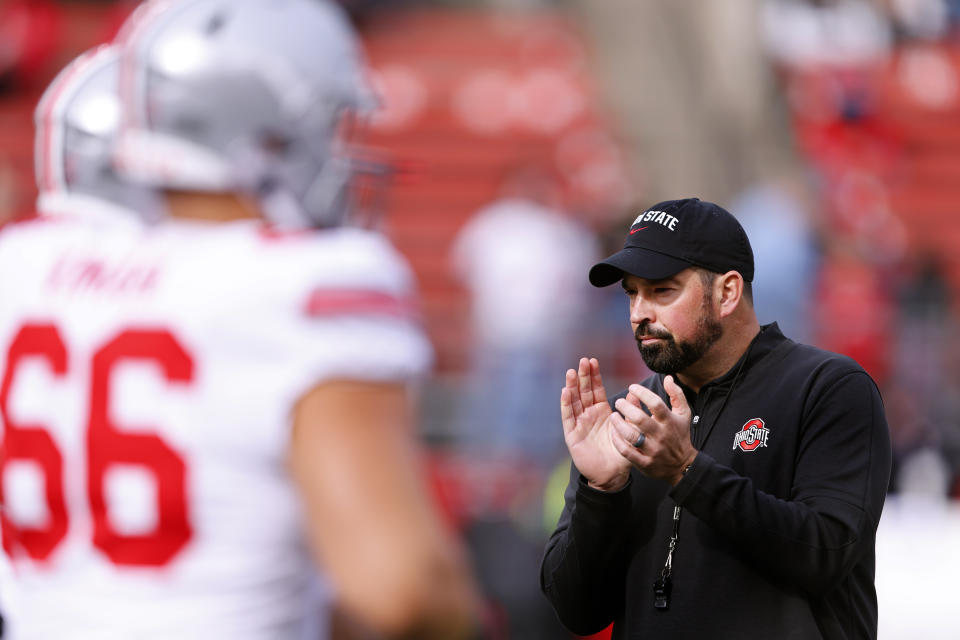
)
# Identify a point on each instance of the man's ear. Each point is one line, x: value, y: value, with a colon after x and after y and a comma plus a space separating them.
x: 729, y: 291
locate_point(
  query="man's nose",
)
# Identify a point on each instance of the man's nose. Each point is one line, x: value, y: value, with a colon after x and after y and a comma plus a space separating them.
x: 640, y: 311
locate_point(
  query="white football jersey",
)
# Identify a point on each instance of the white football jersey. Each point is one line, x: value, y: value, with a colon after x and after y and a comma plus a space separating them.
x: 148, y: 381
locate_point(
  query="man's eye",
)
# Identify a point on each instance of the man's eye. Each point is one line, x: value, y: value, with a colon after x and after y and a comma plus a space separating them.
x: 662, y: 289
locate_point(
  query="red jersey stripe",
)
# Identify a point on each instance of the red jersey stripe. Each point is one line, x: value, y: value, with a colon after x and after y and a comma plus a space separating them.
x: 332, y: 302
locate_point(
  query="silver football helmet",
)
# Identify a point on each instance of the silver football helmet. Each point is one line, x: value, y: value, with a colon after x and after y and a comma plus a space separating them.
x: 76, y: 124
x: 256, y: 96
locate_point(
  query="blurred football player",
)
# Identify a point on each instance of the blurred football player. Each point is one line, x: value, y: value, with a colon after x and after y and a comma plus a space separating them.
x: 198, y: 393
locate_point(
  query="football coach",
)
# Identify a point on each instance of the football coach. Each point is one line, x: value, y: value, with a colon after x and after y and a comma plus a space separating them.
x: 736, y: 492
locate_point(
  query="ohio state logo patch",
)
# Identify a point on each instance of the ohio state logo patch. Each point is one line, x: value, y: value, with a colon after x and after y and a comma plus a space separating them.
x: 751, y: 436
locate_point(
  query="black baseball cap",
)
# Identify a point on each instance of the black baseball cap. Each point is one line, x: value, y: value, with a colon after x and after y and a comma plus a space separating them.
x: 675, y: 234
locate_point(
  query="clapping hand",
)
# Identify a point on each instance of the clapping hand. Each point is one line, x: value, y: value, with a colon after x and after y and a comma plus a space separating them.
x: 604, y: 444
x: 666, y: 449
x: 588, y: 428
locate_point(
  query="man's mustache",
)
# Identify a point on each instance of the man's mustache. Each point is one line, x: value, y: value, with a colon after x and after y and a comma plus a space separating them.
x: 644, y: 331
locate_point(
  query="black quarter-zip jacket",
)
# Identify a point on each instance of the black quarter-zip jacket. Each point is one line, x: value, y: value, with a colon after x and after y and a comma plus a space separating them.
x: 779, y: 512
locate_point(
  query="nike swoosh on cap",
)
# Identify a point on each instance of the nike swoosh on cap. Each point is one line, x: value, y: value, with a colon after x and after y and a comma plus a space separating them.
x: 633, y: 231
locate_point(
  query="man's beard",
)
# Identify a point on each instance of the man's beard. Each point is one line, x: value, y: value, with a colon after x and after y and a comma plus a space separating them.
x: 670, y: 357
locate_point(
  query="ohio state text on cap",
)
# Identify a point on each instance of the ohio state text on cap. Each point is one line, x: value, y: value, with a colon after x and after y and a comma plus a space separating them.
x: 673, y: 235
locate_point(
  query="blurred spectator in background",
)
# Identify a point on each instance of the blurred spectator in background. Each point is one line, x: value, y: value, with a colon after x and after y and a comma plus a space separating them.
x: 777, y: 219
x: 522, y: 258
x: 853, y: 313
x: 924, y: 414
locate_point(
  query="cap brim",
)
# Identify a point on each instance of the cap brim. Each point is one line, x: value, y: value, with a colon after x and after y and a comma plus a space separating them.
x: 635, y: 261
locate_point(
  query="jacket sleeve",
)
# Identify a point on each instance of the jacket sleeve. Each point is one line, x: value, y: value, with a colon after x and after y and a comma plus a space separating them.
x: 583, y: 569
x: 842, y: 471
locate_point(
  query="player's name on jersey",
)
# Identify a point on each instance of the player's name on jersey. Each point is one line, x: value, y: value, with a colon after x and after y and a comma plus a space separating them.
x: 94, y: 275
